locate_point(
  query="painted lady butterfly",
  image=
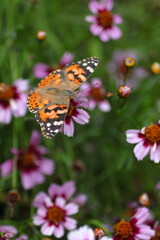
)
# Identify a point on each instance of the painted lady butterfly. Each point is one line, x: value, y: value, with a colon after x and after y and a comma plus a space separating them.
x: 51, y: 99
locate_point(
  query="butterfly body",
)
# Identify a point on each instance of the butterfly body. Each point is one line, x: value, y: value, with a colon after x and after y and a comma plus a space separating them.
x: 51, y: 99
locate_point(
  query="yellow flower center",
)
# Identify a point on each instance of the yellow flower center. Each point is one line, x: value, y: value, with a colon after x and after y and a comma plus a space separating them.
x: 55, y: 214
x: 6, y: 92
x: 152, y: 133
x: 105, y: 18
x: 97, y: 94
x: 123, y: 229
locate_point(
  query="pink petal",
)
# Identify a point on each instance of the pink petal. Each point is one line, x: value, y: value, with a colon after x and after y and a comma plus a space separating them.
x: 54, y: 190
x: 40, y: 70
x: 80, y: 199
x: 19, y: 107
x: 82, y: 117
x: 96, y: 82
x: 38, y: 220
x: 94, y: 6
x: 68, y: 189
x: 71, y: 208
x: 91, y: 18
x: 92, y: 104
x: 47, y: 229
x: 39, y: 199
x: 133, y: 136
x: 66, y: 58
x: 59, y: 231
x: 8, y: 229
x: 104, y: 35
x: 5, y: 116
x: 6, y: 167
x: 35, y: 138
x: 47, y: 166
x: 155, y: 155
x: 104, y: 106
x: 117, y: 19
x: 21, y: 84
x: 22, y: 237
x: 115, y: 32
x: 108, y: 4
x: 69, y: 128
x: 60, y: 202
x: 70, y: 223
x: 95, y: 29
x: 30, y: 179
x: 141, y: 151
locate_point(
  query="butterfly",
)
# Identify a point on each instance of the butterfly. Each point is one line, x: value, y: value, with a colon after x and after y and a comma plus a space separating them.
x: 50, y: 101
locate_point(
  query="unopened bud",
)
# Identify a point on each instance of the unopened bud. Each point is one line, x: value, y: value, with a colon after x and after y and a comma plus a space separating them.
x: 124, y: 91
x: 78, y: 166
x: 109, y: 94
x: 13, y: 196
x: 155, y: 68
x: 144, y: 200
x: 99, y: 233
x: 41, y: 35
x: 129, y: 62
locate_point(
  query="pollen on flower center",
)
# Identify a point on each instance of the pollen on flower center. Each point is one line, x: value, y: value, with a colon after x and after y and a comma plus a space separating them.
x: 27, y: 159
x: 152, y: 133
x: 6, y: 92
x: 70, y: 110
x: 123, y: 229
x: 56, y: 214
x: 97, y: 94
x: 105, y: 18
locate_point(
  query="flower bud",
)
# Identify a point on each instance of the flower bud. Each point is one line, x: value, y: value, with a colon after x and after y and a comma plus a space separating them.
x: 144, y: 199
x: 155, y: 68
x: 124, y: 91
x: 129, y: 62
x: 99, y: 233
x: 41, y: 35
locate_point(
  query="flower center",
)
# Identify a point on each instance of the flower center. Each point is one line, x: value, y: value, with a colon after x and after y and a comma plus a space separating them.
x: 56, y: 214
x: 6, y: 92
x: 70, y: 110
x: 123, y: 229
x: 97, y: 94
x: 27, y: 159
x: 105, y: 18
x: 152, y: 133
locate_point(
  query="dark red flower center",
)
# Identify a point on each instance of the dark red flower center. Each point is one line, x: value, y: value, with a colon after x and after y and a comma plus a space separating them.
x: 105, y: 18
x: 123, y: 229
x: 97, y: 94
x: 152, y: 133
x: 56, y: 214
x: 26, y: 160
x: 6, y: 92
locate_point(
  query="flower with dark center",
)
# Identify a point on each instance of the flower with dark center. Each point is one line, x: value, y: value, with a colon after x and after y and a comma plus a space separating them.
x: 96, y: 95
x: 148, y: 141
x: 104, y: 22
x: 54, y: 216
x: 31, y: 163
x: 13, y: 100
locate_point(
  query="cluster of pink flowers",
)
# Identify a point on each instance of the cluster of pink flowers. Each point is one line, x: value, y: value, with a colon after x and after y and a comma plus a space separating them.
x: 9, y: 232
x: 55, y: 208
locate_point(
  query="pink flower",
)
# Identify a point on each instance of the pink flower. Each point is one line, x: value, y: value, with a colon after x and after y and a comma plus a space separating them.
x: 118, y: 70
x: 75, y: 113
x: 41, y: 70
x: 13, y: 100
x: 65, y: 191
x: 55, y: 216
x: 103, y: 22
x: 148, y: 141
x: 9, y: 231
x: 136, y: 228
x: 31, y: 163
x: 96, y: 94
x: 84, y: 233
